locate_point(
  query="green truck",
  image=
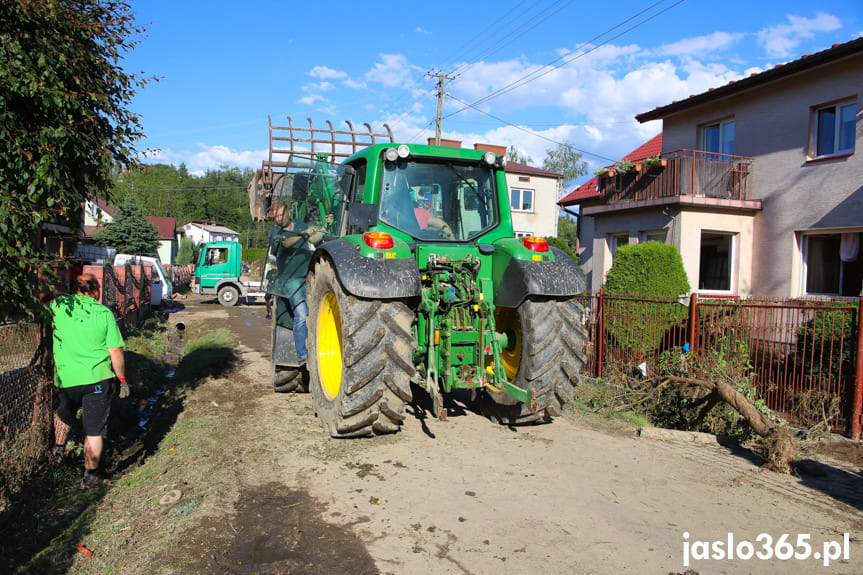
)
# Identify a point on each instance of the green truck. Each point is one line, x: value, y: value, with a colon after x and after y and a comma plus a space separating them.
x: 421, y: 282
x: 219, y: 272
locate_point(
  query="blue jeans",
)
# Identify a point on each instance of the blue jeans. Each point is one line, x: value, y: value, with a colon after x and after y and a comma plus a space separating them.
x: 299, y: 312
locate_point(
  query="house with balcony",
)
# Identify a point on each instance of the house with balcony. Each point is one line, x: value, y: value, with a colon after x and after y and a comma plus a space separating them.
x: 758, y: 183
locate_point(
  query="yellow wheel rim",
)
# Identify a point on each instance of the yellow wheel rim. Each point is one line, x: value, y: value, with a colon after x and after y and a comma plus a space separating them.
x: 506, y: 321
x: 330, y: 346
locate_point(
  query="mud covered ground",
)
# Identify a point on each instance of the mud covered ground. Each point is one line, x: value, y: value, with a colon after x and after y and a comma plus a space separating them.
x: 263, y: 490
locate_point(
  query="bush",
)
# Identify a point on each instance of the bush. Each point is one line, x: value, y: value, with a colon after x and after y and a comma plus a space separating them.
x: 819, y: 356
x: 562, y: 244
x: 651, y: 269
x: 254, y: 254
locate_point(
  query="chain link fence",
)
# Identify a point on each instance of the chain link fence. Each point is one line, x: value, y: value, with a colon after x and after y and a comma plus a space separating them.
x: 26, y: 383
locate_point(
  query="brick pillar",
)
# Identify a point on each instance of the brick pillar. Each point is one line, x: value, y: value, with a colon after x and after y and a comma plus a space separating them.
x: 147, y: 289
x: 99, y: 273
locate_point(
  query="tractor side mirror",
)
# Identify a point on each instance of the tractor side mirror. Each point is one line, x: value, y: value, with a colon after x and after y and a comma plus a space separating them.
x: 362, y: 216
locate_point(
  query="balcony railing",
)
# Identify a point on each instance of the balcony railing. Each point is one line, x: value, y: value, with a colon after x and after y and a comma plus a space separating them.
x: 681, y: 173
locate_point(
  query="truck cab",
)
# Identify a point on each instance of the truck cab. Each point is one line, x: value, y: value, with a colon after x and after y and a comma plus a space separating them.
x: 219, y: 272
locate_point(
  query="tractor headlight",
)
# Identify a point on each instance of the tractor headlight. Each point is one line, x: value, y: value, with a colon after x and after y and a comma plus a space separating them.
x: 489, y: 158
x: 391, y: 155
x: 404, y: 151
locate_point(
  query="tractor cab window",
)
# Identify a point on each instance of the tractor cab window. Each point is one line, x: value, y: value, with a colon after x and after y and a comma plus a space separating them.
x: 439, y: 200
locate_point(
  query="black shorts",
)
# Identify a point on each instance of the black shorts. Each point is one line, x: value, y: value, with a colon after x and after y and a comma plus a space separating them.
x: 94, y: 398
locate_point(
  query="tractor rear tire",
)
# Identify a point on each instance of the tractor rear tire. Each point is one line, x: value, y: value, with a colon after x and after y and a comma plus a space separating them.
x: 545, y: 354
x: 228, y: 296
x: 359, y: 358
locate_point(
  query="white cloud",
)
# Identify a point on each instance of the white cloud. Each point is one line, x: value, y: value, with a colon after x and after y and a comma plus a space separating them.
x: 700, y: 46
x: 213, y: 157
x: 779, y: 41
x: 595, y: 98
x: 326, y: 73
x: 392, y: 71
x: 311, y: 99
x: 318, y: 87
x: 208, y: 158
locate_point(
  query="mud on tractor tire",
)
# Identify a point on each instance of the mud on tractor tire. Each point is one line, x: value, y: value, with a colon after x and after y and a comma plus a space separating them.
x: 545, y: 353
x: 359, y: 358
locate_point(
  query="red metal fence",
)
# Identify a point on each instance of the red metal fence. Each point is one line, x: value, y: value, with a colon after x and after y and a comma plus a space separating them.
x: 802, y: 355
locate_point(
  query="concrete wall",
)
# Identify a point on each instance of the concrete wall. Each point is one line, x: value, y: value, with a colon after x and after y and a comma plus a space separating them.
x: 595, y: 257
x: 542, y: 221
x: 740, y: 226
x: 774, y: 125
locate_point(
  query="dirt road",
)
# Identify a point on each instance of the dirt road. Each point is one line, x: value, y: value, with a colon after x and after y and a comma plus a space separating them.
x: 468, y: 496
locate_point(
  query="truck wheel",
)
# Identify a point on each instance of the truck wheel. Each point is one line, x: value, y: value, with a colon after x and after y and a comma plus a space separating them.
x: 228, y: 296
x: 545, y: 353
x: 359, y: 358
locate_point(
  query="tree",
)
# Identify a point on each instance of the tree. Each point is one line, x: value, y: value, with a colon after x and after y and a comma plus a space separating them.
x: 64, y: 123
x: 186, y: 253
x: 564, y: 160
x: 513, y: 155
x: 567, y: 230
x: 130, y: 232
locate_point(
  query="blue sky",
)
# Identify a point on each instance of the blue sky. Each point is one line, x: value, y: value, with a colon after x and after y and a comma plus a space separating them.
x: 579, y: 71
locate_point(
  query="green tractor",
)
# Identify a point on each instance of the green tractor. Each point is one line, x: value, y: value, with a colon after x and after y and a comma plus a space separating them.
x: 419, y: 280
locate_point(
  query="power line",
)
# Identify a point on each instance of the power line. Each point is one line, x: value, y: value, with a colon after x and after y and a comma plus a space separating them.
x: 531, y: 132
x: 503, y: 43
x: 536, y: 74
x: 493, y: 25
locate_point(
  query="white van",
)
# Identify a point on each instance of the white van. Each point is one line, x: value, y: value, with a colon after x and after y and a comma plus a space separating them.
x: 161, y: 288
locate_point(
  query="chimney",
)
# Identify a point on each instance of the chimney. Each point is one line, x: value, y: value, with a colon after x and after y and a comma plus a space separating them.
x: 499, y: 150
x: 447, y: 143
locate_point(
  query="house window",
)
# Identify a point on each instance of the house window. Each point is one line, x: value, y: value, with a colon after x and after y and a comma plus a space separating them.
x: 653, y: 236
x: 521, y: 200
x: 833, y: 264
x: 718, y: 138
x: 519, y: 234
x: 714, y: 272
x: 835, y: 129
x: 617, y: 240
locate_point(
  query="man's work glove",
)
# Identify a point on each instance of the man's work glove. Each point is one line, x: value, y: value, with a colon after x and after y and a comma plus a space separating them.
x: 124, y: 388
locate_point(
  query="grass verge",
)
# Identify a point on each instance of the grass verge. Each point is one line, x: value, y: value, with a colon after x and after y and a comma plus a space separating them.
x: 41, y: 529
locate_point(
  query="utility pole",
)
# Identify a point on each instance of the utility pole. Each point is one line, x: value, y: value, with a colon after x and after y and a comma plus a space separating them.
x: 441, y: 77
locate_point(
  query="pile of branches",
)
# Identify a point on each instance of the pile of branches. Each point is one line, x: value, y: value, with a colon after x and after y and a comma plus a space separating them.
x: 775, y: 443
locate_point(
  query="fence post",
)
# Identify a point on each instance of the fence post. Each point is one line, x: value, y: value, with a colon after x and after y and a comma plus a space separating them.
x: 600, y: 330
x: 857, y: 397
x: 693, y: 322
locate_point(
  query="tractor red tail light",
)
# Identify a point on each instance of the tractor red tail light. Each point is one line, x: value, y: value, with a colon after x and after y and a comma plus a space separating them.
x: 378, y: 240
x: 535, y: 244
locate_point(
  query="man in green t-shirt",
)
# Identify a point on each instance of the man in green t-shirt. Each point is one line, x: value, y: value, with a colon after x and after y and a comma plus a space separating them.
x: 88, y: 354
